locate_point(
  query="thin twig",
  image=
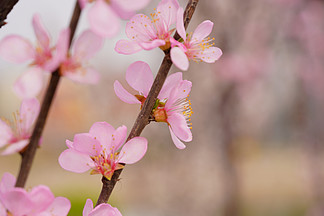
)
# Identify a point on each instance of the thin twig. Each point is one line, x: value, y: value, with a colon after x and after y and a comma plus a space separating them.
x: 29, y: 154
x: 143, y: 117
x: 5, y: 7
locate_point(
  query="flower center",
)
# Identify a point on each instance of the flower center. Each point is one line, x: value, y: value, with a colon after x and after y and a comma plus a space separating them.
x: 106, y: 165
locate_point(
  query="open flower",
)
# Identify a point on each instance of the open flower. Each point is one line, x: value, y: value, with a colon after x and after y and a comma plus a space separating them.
x: 17, y: 139
x: 102, y: 209
x: 104, y: 14
x: 38, y: 201
x: 172, y: 105
x: 196, y: 46
x: 102, y: 150
x: 74, y: 66
x: 43, y: 57
x: 145, y: 33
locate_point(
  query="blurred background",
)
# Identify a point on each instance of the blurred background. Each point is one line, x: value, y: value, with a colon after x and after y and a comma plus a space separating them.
x: 257, y: 124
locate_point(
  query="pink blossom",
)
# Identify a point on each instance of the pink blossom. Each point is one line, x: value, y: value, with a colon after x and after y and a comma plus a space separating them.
x: 17, y: 139
x: 75, y: 66
x: 172, y: 105
x: 38, y: 201
x: 98, y: 150
x: 104, y: 14
x: 43, y: 56
x: 145, y: 33
x: 102, y: 209
x: 196, y: 46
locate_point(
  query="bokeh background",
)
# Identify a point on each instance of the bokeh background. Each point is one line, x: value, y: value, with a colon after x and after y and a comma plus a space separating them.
x: 257, y: 124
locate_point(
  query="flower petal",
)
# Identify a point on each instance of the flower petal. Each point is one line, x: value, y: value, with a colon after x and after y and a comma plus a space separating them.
x: 176, y: 141
x: 103, y: 20
x: 8, y: 182
x: 17, y: 202
x: 87, y: 207
x: 41, y: 33
x: 131, y: 5
x: 121, y: 12
x: 202, y: 31
x: 179, y: 58
x: 124, y: 95
x: 179, y: 126
x: 86, y: 144
x: 15, y: 147
x: 42, y: 197
x: 152, y: 44
x: 127, y: 47
x: 105, y: 209
x: 210, y: 55
x: 102, y: 131
x: 183, y: 89
x: 119, y: 137
x: 69, y: 144
x: 3, y: 211
x: 86, y: 75
x: 171, y: 81
x: 87, y: 45
x: 29, y: 111
x: 60, y: 207
x: 133, y: 150
x: 6, y: 133
x: 180, y: 25
x: 139, y: 76
x: 74, y: 161
x: 30, y: 83
x: 16, y: 49
x: 167, y: 10
x: 139, y: 28
x: 82, y: 3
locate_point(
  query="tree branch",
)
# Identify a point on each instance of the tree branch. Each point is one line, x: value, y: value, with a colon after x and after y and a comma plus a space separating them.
x: 143, y: 117
x: 5, y: 7
x: 29, y: 154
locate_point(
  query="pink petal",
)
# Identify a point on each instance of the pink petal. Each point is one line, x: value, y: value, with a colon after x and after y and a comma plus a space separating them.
x: 121, y: 12
x: 139, y: 76
x: 103, y: 20
x: 152, y: 44
x: 6, y: 133
x: 69, y: 143
x: 168, y: 11
x: 102, y: 131
x: 179, y: 58
x: 180, y: 25
x: 83, y: 75
x: 41, y: 33
x: 74, y: 161
x: 42, y: 197
x: 87, y: 45
x: 17, y: 202
x: 124, y: 95
x: 171, y: 81
x: 15, y: 147
x: 8, y: 182
x: 87, y: 207
x: 29, y: 111
x: 131, y: 5
x: 82, y: 3
x: 202, y: 31
x: 140, y: 29
x: 176, y: 141
x: 133, y: 150
x: 30, y: 83
x: 119, y: 137
x: 127, y: 47
x: 16, y: 49
x: 3, y: 211
x: 60, y: 207
x: 183, y: 89
x: 105, y: 209
x: 86, y: 144
x: 179, y: 126
x: 210, y: 55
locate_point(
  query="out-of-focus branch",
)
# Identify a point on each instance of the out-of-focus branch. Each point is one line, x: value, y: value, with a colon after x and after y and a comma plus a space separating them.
x: 29, y: 154
x: 143, y: 117
x: 5, y: 7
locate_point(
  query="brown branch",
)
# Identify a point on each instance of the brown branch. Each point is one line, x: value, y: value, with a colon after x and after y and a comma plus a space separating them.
x: 143, y: 117
x: 5, y: 7
x: 29, y: 154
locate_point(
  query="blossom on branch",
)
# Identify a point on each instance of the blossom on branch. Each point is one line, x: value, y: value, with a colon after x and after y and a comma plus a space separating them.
x: 100, y: 210
x: 17, y: 139
x: 38, y: 201
x: 172, y: 105
x: 148, y: 33
x: 196, y: 46
x: 102, y: 150
x: 104, y: 15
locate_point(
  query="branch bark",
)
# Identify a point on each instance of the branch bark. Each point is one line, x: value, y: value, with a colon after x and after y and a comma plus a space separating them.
x: 5, y: 7
x: 29, y: 154
x: 143, y: 117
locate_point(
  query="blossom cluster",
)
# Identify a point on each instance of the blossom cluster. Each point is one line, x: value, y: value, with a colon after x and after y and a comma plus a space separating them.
x: 103, y: 149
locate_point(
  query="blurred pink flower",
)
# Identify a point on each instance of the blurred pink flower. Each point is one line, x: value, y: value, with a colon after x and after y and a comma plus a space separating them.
x: 17, y: 49
x: 104, y: 15
x: 75, y: 66
x: 102, y: 209
x: 145, y: 33
x: 172, y: 105
x: 196, y: 46
x: 16, y: 140
x: 39, y: 201
x: 98, y: 150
